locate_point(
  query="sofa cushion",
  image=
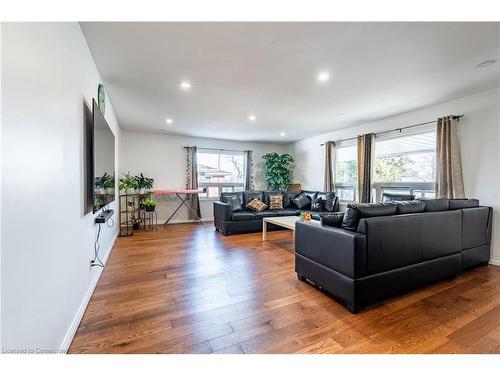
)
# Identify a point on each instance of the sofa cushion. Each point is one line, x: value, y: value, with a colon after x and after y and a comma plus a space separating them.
x: 302, y: 202
x: 356, y: 212
x: 249, y: 195
x: 410, y: 207
x: 457, y: 204
x: 243, y: 216
x: 256, y: 205
x: 260, y: 215
x: 433, y: 205
x: 266, y: 195
x: 224, y: 197
x: 287, y: 198
x: 276, y: 202
x: 332, y: 219
x: 329, y: 200
x: 235, y: 203
x: 317, y: 204
x: 388, y: 197
x: 287, y: 212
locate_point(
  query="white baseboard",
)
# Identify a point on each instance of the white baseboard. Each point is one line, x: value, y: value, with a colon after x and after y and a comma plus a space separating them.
x: 161, y: 220
x: 68, y: 339
x: 495, y: 261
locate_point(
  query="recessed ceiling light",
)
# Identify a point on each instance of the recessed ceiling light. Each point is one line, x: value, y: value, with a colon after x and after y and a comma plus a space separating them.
x: 486, y: 63
x: 252, y: 118
x: 185, y: 85
x: 323, y: 77
x: 282, y: 134
x: 169, y: 121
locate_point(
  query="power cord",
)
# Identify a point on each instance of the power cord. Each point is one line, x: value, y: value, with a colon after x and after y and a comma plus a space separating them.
x: 96, y: 261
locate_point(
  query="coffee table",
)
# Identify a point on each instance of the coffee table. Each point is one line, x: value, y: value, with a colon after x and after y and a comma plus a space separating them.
x: 287, y: 222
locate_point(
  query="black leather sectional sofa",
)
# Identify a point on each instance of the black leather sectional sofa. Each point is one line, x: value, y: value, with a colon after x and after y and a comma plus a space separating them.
x: 383, y: 250
x: 228, y: 221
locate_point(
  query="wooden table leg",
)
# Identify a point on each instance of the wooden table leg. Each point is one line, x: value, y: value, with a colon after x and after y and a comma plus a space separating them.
x: 264, y: 230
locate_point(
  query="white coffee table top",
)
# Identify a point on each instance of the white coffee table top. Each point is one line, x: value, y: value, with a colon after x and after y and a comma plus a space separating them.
x: 286, y: 221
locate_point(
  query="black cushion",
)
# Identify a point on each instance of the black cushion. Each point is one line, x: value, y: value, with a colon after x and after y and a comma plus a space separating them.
x: 310, y: 194
x: 456, y: 204
x: 317, y: 204
x: 224, y: 197
x: 243, y: 216
x: 439, y: 204
x: 268, y: 193
x: 301, y: 202
x: 235, y: 203
x: 410, y: 207
x: 356, y: 212
x: 249, y: 195
x: 287, y: 198
x: 266, y: 213
x: 333, y: 219
x: 388, y: 197
x: 329, y: 200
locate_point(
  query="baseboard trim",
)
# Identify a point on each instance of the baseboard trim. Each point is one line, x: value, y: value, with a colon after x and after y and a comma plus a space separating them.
x: 183, y: 221
x: 495, y: 261
x: 68, y: 339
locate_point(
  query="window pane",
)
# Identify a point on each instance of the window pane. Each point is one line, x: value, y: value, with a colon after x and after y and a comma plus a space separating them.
x: 346, y: 166
x: 410, y: 158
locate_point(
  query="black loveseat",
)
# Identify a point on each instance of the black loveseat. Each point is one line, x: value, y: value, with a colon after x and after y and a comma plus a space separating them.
x: 228, y: 221
x: 386, y: 249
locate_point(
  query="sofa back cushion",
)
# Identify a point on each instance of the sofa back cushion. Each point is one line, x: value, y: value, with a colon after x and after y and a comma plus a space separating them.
x: 388, y: 197
x: 310, y: 194
x: 435, y: 205
x: 410, y: 207
x: 287, y: 198
x: 400, y: 240
x: 457, y: 204
x: 330, y: 201
x: 248, y: 195
x: 224, y: 197
x: 356, y: 212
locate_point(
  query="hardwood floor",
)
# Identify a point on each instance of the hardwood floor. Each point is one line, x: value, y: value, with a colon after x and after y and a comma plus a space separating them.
x: 189, y: 289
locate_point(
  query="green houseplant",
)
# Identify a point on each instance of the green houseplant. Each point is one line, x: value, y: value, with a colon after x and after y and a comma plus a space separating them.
x: 144, y: 183
x: 128, y: 183
x: 149, y: 204
x: 109, y: 184
x: 278, y: 170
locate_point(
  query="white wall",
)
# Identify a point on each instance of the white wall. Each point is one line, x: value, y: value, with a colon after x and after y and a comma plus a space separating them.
x: 47, y: 240
x: 479, y: 140
x: 162, y: 157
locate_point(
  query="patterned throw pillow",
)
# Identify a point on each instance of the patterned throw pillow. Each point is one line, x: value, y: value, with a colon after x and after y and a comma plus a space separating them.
x: 317, y: 204
x: 256, y: 205
x: 276, y: 202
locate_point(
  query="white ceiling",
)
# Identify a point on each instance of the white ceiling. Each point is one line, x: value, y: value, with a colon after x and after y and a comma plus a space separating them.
x: 269, y: 70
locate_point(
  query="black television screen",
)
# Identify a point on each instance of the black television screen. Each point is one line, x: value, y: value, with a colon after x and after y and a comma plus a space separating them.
x: 104, y: 160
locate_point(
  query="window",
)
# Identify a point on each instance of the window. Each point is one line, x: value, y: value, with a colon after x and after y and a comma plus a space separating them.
x: 220, y: 171
x: 346, y: 172
x: 405, y: 164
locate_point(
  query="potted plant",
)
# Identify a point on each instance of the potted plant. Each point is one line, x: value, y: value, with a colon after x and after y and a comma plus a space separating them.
x: 136, y: 222
x: 109, y: 184
x: 149, y: 204
x: 144, y: 183
x: 100, y: 183
x: 278, y: 170
x: 128, y: 183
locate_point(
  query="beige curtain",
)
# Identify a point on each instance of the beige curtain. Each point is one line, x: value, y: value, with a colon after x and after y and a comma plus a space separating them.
x: 449, y: 182
x: 329, y: 184
x: 192, y: 180
x: 365, y: 150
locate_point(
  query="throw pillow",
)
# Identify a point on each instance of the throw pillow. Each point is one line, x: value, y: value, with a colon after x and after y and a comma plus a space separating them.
x: 235, y: 203
x: 301, y: 201
x: 332, y: 219
x: 276, y: 202
x: 256, y: 205
x: 329, y: 201
x: 317, y: 204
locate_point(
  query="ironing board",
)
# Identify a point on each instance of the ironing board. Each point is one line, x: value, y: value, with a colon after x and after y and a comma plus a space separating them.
x: 187, y: 193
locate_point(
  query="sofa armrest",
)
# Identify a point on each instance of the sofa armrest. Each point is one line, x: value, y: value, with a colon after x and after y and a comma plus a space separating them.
x: 338, y: 249
x: 223, y: 211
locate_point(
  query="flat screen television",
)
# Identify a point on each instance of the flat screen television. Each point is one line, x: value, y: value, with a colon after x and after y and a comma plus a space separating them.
x: 104, y: 181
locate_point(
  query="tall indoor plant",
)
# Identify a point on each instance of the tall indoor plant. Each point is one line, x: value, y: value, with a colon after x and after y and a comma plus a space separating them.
x: 278, y: 170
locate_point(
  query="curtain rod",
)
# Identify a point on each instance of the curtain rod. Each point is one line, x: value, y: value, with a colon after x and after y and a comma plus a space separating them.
x: 397, y: 129
x: 217, y: 149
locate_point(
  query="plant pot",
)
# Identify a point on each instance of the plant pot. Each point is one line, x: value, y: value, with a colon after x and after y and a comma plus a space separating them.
x: 136, y: 226
x: 110, y: 191
x: 100, y: 191
x: 142, y: 191
x: 149, y: 208
x: 129, y: 191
